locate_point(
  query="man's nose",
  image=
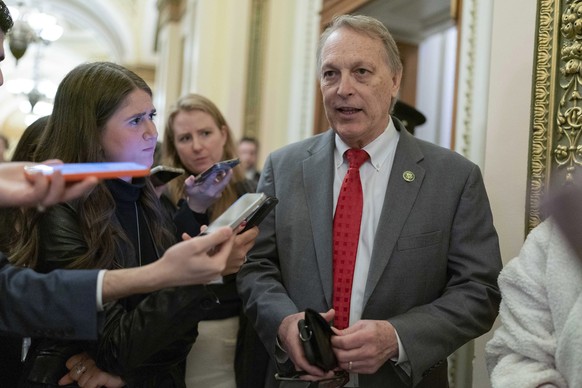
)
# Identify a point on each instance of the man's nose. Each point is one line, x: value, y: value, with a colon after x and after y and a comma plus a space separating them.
x: 346, y: 86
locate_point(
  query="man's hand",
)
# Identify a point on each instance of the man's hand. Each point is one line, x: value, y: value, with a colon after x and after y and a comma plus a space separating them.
x: 288, y: 334
x: 18, y: 189
x: 83, y: 370
x: 201, y: 196
x: 365, y: 346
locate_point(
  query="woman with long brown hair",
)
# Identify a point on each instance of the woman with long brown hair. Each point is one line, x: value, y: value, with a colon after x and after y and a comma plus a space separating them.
x: 103, y: 112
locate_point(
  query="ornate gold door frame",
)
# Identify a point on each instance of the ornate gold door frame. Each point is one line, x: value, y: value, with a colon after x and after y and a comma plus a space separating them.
x: 555, y: 143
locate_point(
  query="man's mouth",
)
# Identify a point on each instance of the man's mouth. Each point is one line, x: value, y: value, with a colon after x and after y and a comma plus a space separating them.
x: 348, y: 110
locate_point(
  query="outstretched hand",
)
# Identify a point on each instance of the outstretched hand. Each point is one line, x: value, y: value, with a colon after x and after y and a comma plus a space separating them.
x: 18, y: 189
x: 197, y: 260
x: 200, y: 259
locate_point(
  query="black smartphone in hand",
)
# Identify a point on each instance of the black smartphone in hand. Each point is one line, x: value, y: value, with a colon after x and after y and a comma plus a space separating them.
x: 239, y: 211
x: 160, y: 175
x: 218, y: 169
x: 259, y: 215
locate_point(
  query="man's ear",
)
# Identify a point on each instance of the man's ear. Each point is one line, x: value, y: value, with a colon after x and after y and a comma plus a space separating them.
x: 396, y: 78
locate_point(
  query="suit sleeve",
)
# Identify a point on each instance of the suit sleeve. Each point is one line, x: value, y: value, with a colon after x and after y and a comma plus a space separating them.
x: 260, y: 282
x: 135, y: 342
x: 467, y: 305
x: 60, y: 304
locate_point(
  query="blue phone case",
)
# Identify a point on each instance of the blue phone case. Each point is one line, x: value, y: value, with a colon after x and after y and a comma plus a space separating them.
x: 216, y: 168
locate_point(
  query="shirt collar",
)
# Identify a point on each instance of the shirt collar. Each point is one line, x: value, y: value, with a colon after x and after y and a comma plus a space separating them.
x: 379, y: 149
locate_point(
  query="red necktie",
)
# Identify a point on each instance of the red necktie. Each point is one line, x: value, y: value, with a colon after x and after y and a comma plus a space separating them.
x: 346, y: 234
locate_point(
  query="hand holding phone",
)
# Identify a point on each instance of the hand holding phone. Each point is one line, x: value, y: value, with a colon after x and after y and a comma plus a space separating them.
x: 20, y: 189
x: 259, y: 215
x: 217, y: 170
x: 251, y: 207
x: 80, y: 171
x: 201, y: 196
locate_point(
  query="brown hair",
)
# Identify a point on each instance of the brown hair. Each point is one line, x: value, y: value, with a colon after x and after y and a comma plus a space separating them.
x: 85, y: 100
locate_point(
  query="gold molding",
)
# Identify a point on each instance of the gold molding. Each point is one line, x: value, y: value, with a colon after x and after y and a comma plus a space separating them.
x: 258, y: 26
x: 455, y: 9
x: 331, y: 8
x: 555, y: 140
x: 169, y: 11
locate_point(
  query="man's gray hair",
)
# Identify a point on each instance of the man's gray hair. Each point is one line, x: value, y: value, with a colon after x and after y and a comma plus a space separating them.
x: 365, y: 25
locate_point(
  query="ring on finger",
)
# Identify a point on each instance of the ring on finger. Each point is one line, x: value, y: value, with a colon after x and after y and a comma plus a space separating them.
x: 350, y: 364
x: 80, y: 368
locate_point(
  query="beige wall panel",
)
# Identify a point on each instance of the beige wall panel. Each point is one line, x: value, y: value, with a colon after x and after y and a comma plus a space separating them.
x: 276, y: 80
x: 218, y: 63
x: 508, y: 128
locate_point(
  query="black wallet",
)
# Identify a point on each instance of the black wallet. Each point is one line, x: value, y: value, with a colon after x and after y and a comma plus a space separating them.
x: 315, y: 334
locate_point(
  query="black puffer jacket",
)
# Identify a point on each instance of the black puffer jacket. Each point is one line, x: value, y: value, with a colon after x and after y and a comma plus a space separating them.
x: 146, y: 338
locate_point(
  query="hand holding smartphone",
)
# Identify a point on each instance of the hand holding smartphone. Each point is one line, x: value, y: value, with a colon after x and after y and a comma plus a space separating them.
x: 259, y: 215
x: 218, y: 170
x: 245, y: 208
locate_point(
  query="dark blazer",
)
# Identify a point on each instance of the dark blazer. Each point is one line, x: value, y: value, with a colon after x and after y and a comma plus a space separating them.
x: 144, y: 337
x: 434, y: 263
x: 60, y: 304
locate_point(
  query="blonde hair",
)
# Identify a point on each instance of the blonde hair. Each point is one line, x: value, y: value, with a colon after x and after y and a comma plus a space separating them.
x: 188, y: 103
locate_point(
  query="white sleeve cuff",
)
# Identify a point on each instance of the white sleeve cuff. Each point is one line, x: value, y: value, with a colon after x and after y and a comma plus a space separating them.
x: 99, y: 294
x: 402, y: 360
x: 281, y: 355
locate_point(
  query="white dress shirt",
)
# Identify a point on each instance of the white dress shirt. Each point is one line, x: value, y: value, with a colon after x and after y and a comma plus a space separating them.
x: 374, y: 175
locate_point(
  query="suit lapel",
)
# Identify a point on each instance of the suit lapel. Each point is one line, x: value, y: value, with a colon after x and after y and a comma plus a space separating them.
x: 400, y: 197
x: 318, y: 173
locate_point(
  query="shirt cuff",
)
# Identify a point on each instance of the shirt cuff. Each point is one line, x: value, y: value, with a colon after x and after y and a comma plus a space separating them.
x: 402, y: 359
x: 281, y: 355
x: 99, y: 294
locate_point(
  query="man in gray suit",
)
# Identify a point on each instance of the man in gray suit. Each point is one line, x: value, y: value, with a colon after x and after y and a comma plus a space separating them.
x: 427, y: 256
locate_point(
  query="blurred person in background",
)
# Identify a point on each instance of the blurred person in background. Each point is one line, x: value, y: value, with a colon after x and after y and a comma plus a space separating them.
x: 248, y: 152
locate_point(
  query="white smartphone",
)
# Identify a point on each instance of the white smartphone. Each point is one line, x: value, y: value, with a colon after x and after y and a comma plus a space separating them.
x: 80, y: 171
x: 239, y: 211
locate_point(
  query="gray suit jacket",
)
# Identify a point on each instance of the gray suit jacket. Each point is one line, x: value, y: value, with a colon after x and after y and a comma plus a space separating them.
x: 434, y: 263
x: 60, y: 304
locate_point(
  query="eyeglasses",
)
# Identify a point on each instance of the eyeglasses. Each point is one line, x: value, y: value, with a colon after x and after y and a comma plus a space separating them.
x: 339, y: 380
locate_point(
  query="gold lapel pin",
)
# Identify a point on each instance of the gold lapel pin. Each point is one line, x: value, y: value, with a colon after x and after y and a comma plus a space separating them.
x: 408, y: 176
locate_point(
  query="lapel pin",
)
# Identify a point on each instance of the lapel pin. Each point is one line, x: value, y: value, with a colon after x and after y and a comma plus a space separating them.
x: 408, y: 176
